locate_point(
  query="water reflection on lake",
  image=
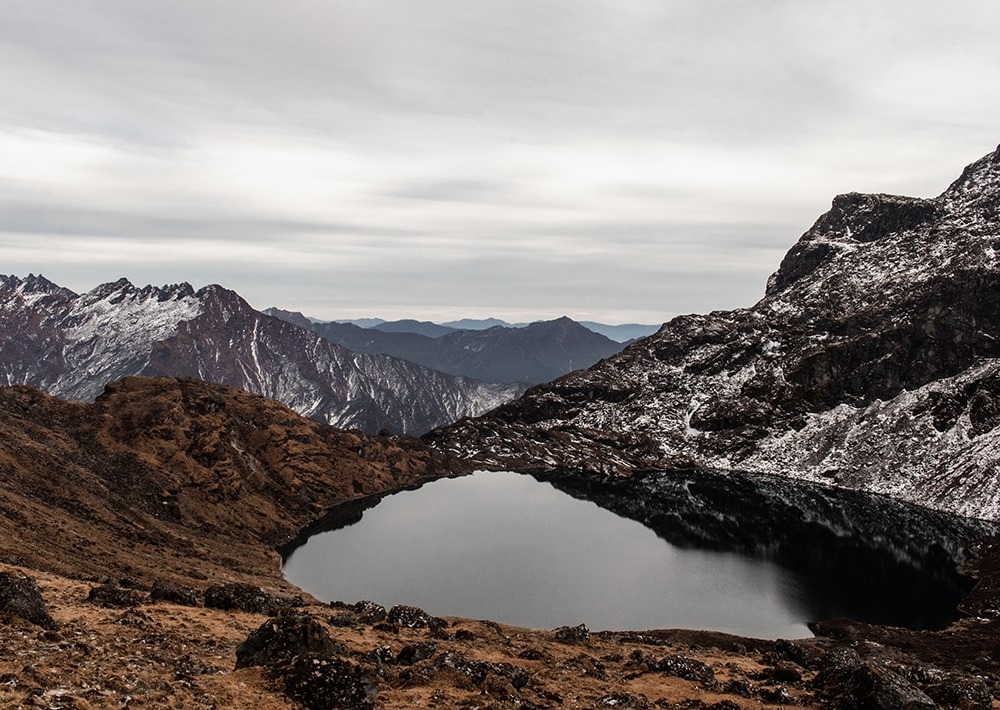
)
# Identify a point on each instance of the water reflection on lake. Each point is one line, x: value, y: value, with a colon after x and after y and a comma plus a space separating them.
x: 506, y: 547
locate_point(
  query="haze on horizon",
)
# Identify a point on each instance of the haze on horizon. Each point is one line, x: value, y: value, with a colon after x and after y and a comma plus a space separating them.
x: 617, y: 162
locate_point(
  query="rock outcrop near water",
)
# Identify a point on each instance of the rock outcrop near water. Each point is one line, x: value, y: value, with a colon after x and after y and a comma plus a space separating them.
x: 871, y: 362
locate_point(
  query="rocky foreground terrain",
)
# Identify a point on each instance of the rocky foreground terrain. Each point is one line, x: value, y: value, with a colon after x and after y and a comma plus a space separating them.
x: 871, y: 362
x: 138, y: 569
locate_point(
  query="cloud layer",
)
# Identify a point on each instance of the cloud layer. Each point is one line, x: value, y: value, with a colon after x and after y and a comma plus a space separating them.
x: 609, y: 160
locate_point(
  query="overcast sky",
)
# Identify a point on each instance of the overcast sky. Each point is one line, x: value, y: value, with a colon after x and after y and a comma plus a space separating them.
x: 619, y: 160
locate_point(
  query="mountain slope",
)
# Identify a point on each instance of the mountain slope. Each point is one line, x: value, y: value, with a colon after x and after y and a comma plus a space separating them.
x: 535, y: 353
x: 121, y: 486
x: 72, y: 345
x: 871, y: 362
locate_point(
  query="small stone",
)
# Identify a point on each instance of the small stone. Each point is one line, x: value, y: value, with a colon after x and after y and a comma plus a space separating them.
x: 416, y: 652
x: 114, y: 597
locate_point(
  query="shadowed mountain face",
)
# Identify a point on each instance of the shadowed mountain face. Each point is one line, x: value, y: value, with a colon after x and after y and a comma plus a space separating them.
x: 871, y: 362
x: 532, y: 354
x: 72, y: 345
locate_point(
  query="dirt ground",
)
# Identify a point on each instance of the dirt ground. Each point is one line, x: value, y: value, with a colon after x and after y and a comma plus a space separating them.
x: 158, y: 654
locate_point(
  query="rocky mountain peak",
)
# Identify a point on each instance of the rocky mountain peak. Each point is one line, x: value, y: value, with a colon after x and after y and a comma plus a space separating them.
x: 882, y: 312
x: 977, y: 191
x: 72, y: 347
x: 222, y: 301
x: 31, y: 289
x: 293, y: 317
x: 854, y: 219
x: 38, y: 284
x: 109, y: 291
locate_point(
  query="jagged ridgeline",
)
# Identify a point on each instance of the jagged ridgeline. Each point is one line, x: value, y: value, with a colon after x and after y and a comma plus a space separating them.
x: 71, y: 345
x: 870, y: 362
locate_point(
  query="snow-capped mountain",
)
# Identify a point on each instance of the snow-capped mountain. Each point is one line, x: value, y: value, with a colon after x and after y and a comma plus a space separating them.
x: 72, y: 345
x: 872, y: 362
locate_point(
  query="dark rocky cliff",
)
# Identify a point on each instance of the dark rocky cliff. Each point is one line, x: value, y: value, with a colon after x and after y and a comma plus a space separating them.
x: 870, y: 362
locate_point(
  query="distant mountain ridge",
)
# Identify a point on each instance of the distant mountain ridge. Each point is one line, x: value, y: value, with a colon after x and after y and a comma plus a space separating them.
x: 536, y: 353
x: 623, y: 333
x: 871, y: 362
x: 72, y: 345
x: 431, y: 330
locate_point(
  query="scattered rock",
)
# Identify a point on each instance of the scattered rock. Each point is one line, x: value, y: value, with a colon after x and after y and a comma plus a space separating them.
x: 686, y: 668
x: 415, y: 652
x: 409, y: 617
x: 20, y: 596
x: 242, y: 597
x: 868, y: 685
x: 134, y: 617
x: 778, y: 696
x: 379, y: 657
x: 785, y: 650
x: 114, y: 597
x: 185, y: 596
x: 782, y: 672
x: 573, y: 634
x: 588, y: 666
x: 480, y: 673
x: 369, y: 612
x: 532, y: 654
x: 740, y: 687
x: 344, y: 619
x: 322, y: 683
x: 284, y: 637
x: 188, y: 667
x: 962, y: 693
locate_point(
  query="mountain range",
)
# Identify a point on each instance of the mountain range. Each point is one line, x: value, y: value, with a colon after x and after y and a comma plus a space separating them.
x: 72, y: 345
x: 619, y: 333
x: 871, y: 362
x: 535, y: 353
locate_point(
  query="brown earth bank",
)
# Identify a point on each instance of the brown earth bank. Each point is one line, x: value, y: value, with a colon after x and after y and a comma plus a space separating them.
x: 149, y: 521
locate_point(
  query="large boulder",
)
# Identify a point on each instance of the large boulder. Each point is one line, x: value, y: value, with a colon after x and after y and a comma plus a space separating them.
x: 284, y: 637
x: 20, y: 596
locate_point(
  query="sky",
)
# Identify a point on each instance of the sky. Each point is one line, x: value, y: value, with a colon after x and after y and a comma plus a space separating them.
x: 611, y: 160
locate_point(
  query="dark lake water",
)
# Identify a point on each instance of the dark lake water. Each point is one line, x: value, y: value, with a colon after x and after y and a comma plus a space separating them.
x: 506, y: 547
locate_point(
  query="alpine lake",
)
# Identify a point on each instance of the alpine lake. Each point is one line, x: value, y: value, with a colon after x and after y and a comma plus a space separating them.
x: 749, y: 555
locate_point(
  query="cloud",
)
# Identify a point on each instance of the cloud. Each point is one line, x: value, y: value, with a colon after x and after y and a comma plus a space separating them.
x: 619, y: 158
